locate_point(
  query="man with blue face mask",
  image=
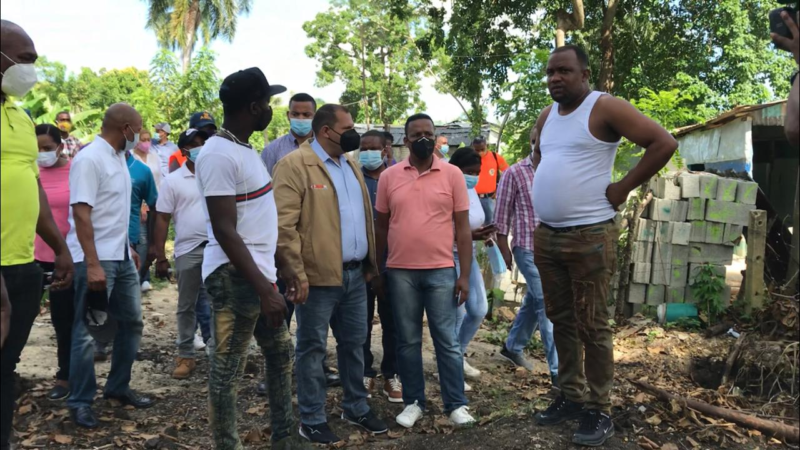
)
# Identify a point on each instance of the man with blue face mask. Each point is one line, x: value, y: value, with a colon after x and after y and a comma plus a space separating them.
x: 301, y: 111
x: 441, y: 148
x: 180, y: 198
x: 373, y: 161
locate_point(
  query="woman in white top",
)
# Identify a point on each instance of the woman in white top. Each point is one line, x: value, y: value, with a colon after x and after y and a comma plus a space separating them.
x: 473, y: 311
x: 142, y: 153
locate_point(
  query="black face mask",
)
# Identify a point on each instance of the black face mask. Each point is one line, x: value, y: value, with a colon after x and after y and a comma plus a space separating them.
x: 422, y: 148
x: 264, y: 119
x: 349, y: 140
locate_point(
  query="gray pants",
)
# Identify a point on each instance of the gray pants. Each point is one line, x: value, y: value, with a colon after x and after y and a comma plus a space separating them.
x: 190, y: 283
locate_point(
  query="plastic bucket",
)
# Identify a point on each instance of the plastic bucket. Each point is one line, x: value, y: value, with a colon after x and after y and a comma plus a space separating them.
x: 671, y: 312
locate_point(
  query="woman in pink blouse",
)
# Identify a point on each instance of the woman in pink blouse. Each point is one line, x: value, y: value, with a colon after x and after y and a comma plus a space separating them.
x: 54, y: 175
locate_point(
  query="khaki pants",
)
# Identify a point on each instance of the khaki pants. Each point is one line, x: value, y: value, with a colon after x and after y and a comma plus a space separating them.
x: 576, y: 268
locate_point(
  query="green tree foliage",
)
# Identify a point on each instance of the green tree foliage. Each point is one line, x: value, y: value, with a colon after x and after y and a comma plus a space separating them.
x: 369, y: 45
x: 177, y: 23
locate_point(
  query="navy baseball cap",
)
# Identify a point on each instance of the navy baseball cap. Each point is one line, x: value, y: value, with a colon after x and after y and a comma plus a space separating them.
x: 245, y: 86
x: 201, y: 119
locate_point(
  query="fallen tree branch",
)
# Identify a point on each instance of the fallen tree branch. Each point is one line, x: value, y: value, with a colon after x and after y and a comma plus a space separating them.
x: 732, y: 357
x: 718, y: 329
x: 779, y: 430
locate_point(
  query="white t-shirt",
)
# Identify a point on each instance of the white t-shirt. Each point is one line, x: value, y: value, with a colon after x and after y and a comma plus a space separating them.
x: 154, y: 163
x: 181, y: 197
x: 99, y: 177
x: 224, y: 169
x: 476, y: 214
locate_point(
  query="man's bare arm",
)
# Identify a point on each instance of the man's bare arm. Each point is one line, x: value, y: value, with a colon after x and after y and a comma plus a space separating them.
x: 537, y: 152
x: 160, y: 241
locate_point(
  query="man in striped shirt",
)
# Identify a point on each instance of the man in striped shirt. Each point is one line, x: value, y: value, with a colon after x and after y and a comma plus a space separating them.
x: 515, y: 210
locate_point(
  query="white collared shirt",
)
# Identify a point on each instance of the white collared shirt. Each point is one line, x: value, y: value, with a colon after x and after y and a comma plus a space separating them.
x: 181, y: 197
x: 99, y: 177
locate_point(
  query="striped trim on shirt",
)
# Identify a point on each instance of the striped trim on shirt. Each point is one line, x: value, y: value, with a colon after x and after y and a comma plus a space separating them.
x: 255, y: 194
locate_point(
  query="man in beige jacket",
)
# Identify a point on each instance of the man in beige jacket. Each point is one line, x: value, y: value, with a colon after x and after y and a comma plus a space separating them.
x: 326, y: 238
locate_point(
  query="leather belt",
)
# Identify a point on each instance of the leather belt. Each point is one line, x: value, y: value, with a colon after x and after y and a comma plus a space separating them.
x: 352, y: 265
x: 576, y: 227
x: 486, y: 195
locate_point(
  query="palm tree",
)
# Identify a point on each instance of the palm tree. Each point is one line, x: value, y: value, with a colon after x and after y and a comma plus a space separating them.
x: 177, y: 22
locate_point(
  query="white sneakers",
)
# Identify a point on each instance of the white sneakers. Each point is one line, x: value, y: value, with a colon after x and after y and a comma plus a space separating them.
x: 467, y: 387
x: 369, y: 385
x: 471, y: 372
x: 460, y: 417
x: 198, y: 343
x: 146, y: 287
x: 410, y: 415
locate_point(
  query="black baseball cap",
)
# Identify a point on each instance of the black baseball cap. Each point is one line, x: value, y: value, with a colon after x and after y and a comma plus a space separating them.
x: 201, y: 119
x: 245, y: 86
x: 188, y: 136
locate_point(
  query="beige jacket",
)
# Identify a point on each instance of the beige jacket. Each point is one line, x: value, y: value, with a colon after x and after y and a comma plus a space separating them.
x: 309, y: 227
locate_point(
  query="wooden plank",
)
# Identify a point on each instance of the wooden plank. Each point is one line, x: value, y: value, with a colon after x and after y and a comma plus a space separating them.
x: 754, y: 276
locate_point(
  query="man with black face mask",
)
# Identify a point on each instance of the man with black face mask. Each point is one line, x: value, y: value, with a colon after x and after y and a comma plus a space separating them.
x: 326, y: 240
x: 239, y: 260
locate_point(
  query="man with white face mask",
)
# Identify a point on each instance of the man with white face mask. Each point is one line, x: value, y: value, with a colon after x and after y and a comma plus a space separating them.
x: 100, y: 201
x: 24, y: 213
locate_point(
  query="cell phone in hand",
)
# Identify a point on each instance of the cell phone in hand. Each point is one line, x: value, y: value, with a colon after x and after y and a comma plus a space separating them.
x: 778, y: 26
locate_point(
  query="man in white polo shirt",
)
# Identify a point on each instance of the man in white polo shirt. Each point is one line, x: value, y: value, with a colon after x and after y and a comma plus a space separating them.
x: 180, y: 198
x: 100, y: 201
x: 239, y: 262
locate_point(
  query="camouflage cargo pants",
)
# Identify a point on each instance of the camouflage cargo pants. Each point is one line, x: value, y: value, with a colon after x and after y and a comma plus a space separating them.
x: 235, y: 317
x: 576, y: 268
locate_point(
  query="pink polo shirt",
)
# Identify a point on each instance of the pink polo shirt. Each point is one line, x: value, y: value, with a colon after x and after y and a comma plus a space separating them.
x: 421, y: 207
x: 55, y: 183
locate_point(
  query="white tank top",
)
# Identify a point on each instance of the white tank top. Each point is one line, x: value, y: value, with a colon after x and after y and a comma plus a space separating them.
x: 570, y: 184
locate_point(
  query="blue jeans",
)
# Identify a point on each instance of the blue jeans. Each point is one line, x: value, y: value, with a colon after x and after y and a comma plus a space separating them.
x: 473, y: 311
x: 345, y: 309
x: 429, y: 291
x: 532, y: 313
x: 124, y: 306
x: 488, y: 209
x: 202, y: 312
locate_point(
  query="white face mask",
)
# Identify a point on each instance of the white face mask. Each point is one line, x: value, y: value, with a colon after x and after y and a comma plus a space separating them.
x: 129, y: 145
x: 19, y: 78
x: 47, y: 159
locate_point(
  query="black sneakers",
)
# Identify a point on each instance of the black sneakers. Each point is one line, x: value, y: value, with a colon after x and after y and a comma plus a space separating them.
x: 369, y: 422
x: 318, y: 434
x: 561, y: 410
x: 594, y: 430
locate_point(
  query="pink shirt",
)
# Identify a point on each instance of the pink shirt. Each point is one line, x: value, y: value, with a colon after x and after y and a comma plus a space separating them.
x: 56, y: 185
x: 421, y: 208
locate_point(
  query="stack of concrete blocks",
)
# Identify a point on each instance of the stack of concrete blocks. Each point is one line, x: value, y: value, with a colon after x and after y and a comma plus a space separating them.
x: 693, y: 219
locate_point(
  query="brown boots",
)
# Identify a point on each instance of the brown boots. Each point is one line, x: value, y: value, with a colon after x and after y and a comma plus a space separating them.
x: 183, y: 368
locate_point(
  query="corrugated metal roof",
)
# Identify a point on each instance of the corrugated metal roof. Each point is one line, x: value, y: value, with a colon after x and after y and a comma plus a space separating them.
x: 767, y: 114
x: 457, y: 132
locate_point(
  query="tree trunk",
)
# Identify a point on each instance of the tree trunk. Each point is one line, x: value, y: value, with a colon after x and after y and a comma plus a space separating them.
x: 569, y: 21
x: 502, y: 128
x: 364, y: 77
x: 475, y: 117
x: 605, y: 81
x: 190, y: 22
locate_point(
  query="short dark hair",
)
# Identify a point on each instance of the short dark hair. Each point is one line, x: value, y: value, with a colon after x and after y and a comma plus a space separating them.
x: 388, y: 137
x: 415, y: 117
x: 302, y: 97
x: 374, y: 133
x: 465, y: 157
x: 50, y: 130
x: 580, y: 53
x: 326, y: 116
x: 64, y: 112
x: 479, y: 140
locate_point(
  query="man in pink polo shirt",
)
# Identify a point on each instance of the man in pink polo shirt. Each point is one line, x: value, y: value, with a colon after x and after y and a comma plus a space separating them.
x: 419, y: 201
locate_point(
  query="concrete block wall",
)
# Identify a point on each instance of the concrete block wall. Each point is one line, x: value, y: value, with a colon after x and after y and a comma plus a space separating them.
x: 693, y: 219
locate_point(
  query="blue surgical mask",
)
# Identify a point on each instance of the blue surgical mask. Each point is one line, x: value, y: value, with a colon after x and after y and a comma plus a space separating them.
x: 472, y: 181
x: 301, y: 127
x: 370, y: 159
x: 194, y: 153
x: 444, y: 149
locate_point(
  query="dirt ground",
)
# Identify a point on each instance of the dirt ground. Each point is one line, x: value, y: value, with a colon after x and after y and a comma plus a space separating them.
x: 503, y: 401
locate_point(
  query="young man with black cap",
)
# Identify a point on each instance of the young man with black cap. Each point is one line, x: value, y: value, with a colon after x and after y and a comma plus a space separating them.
x: 239, y: 261
x: 200, y: 121
x: 179, y: 197
x: 326, y: 239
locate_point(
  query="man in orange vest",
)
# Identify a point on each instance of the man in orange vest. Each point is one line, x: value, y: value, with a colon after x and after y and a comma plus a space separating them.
x: 492, y: 165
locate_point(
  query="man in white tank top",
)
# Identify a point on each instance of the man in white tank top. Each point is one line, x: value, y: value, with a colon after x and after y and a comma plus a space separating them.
x: 575, y: 246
